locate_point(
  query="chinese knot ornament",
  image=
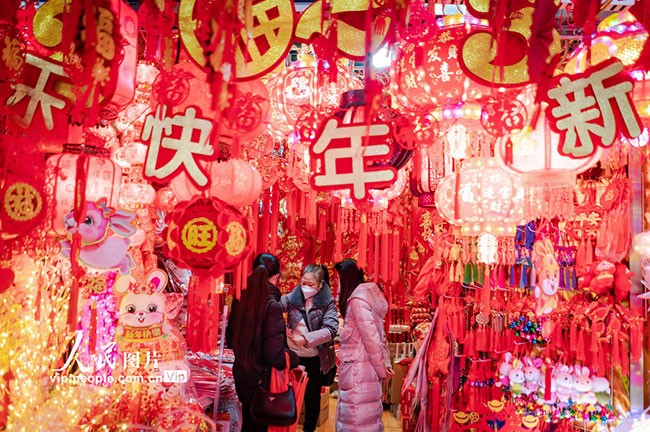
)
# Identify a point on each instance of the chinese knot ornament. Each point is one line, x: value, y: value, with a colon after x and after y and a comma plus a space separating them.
x: 207, y: 235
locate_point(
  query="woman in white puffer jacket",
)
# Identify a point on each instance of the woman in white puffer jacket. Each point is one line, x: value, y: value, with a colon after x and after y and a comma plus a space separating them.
x: 364, y: 356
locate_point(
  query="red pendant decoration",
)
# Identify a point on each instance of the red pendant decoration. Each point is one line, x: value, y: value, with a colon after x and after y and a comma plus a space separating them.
x: 207, y: 235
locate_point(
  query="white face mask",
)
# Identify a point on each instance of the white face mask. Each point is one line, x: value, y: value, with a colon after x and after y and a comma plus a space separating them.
x: 308, y: 291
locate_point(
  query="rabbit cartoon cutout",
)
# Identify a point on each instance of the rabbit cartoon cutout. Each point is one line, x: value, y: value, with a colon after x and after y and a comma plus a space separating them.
x: 100, y: 249
x: 150, y: 345
x: 145, y: 312
x: 548, y: 277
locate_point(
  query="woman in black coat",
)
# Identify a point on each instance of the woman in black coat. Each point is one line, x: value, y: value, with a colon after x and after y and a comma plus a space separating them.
x: 256, y: 332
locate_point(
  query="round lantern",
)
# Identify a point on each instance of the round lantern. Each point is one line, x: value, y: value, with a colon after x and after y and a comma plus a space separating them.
x: 547, y: 176
x: 481, y: 197
x: 187, y: 85
x: 428, y: 73
x: 235, y: 182
x: 207, y: 235
x: 103, y: 180
x: 300, y: 95
x: 136, y: 192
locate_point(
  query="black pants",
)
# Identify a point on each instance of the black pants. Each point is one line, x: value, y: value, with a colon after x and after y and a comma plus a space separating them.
x: 245, y: 395
x: 312, y: 392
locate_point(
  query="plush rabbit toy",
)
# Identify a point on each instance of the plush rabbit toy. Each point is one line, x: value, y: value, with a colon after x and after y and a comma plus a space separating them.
x: 548, y: 277
x: 564, y: 380
x: 99, y: 249
x: 532, y: 374
x: 517, y: 378
x: 504, y: 371
x: 583, y: 386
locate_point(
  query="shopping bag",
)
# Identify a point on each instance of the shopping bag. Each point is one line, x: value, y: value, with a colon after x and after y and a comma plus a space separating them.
x: 280, y: 381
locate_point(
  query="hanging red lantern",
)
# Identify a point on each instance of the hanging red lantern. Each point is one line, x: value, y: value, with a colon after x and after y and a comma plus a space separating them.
x: 235, y: 182
x: 548, y: 177
x: 207, y: 235
x: 301, y: 92
x: 481, y: 197
x: 104, y: 178
x: 429, y: 168
x: 428, y: 72
x: 187, y: 85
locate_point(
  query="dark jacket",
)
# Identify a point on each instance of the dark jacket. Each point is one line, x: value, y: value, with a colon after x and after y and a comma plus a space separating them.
x: 322, y: 321
x: 271, y: 347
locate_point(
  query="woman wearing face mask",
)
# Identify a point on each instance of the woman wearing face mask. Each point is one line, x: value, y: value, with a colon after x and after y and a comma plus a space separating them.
x: 312, y: 322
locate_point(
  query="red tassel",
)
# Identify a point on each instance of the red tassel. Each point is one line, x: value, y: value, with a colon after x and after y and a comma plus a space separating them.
x: 508, y: 159
x: 383, y: 268
x: 434, y: 397
x: 275, y: 214
x: 363, y: 242
x: 548, y: 382
x: 581, y: 354
x: 338, y: 243
x: 92, y: 330
x: 375, y: 265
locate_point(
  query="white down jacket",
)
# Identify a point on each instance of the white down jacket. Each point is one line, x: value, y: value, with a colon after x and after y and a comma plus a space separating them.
x: 364, y: 358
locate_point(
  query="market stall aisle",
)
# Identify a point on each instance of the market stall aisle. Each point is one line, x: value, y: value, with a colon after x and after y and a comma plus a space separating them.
x: 391, y: 424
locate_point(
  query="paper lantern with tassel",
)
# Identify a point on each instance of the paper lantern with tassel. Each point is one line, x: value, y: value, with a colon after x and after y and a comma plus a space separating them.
x: 547, y: 176
x: 103, y: 180
x: 210, y: 237
x: 235, y: 182
x: 481, y: 197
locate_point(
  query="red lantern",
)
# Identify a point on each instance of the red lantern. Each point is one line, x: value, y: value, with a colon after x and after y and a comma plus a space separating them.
x: 429, y: 168
x: 428, y: 73
x: 187, y: 85
x: 301, y: 92
x: 235, y: 182
x: 481, y: 197
x: 547, y: 176
x: 104, y: 178
x: 207, y: 235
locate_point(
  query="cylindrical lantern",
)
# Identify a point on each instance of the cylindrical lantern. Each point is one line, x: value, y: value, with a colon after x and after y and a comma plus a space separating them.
x: 236, y: 182
x: 429, y: 168
x: 548, y: 176
x: 136, y: 192
x: 104, y: 177
x: 481, y: 197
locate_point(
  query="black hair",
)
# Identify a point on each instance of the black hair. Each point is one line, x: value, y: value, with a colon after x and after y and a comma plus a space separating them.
x: 326, y: 275
x: 269, y: 261
x: 350, y: 276
x: 248, y: 328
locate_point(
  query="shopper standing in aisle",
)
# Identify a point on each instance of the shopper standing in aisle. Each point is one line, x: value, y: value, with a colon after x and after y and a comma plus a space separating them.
x: 312, y: 324
x: 256, y: 333
x: 364, y: 355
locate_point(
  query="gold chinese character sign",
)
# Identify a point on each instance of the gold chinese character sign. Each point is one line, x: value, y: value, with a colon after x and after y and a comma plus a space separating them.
x: 593, y: 108
x: 207, y: 235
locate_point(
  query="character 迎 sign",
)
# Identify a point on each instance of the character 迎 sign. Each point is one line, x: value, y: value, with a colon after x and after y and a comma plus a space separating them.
x: 342, y: 154
x: 590, y: 109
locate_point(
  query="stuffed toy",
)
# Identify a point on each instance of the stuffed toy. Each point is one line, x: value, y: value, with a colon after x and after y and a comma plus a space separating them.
x: 100, y: 250
x: 533, y: 374
x: 547, y: 270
